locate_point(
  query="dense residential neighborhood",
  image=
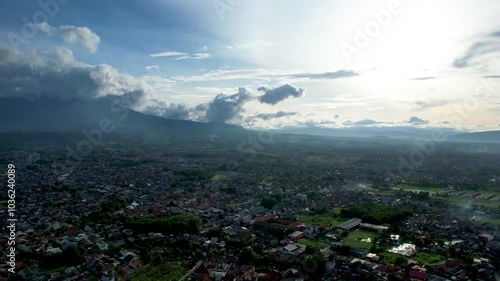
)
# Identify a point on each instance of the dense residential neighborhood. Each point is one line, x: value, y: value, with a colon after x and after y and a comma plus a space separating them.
x: 171, y: 216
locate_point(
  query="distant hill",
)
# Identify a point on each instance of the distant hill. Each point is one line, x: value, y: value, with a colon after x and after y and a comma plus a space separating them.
x: 54, y: 115
x: 396, y: 132
x: 489, y: 136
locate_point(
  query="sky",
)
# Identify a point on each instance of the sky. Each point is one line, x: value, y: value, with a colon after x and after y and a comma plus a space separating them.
x: 261, y: 63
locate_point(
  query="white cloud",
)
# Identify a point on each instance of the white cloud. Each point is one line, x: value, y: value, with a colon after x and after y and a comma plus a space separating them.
x: 167, y: 54
x: 152, y: 67
x: 250, y: 45
x: 182, y: 55
x: 83, y: 35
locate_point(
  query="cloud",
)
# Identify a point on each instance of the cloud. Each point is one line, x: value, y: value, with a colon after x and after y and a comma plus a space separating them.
x: 487, y: 45
x: 315, y: 123
x: 152, y: 67
x: 424, y: 78
x: 201, y: 56
x: 491, y: 76
x: 275, y: 95
x: 269, y: 116
x: 225, y: 107
x: 326, y: 75
x: 256, y: 44
x: 364, y: 122
x: 40, y: 74
x: 196, y: 56
x: 168, y: 54
x: 168, y: 111
x: 181, y: 55
x: 83, y: 35
x: 417, y: 121
x: 429, y: 104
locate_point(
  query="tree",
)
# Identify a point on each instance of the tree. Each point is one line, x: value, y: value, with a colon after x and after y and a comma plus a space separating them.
x: 268, y: 202
x: 247, y: 256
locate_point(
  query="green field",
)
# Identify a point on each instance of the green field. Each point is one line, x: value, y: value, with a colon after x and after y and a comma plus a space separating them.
x: 493, y: 221
x: 391, y: 258
x: 424, y: 258
x: 354, y: 239
x: 164, y: 272
x: 419, y: 188
x: 411, y: 187
x: 312, y: 243
x: 465, y: 201
x: 455, y: 200
x: 320, y: 219
x: 219, y: 177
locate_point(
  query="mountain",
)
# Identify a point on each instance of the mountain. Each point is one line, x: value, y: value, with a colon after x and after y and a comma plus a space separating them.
x: 55, y: 115
x: 396, y: 132
x: 486, y: 137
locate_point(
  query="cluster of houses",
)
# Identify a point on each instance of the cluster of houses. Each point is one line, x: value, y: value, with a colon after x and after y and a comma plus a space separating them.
x: 50, y: 222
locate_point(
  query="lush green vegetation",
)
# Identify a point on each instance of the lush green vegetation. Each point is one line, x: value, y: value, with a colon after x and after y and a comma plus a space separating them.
x: 394, y: 259
x: 319, y: 217
x: 466, y: 201
x: 166, y: 271
x: 219, y: 177
x: 418, y: 188
x: 428, y: 258
x: 196, y: 174
x: 312, y: 243
x: 355, y: 237
x: 376, y: 214
x: 268, y: 202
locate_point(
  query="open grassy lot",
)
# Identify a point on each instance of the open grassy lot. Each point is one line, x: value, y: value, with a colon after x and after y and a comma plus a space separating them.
x: 428, y: 258
x: 465, y: 201
x: 164, y: 272
x: 355, y: 237
x: 312, y: 242
x: 219, y: 177
x: 319, y: 219
x: 391, y: 258
x: 410, y: 187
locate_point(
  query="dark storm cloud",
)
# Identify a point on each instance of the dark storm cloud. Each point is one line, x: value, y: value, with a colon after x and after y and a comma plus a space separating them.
x: 275, y: 95
x: 40, y: 74
x: 269, y: 116
x: 225, y: 107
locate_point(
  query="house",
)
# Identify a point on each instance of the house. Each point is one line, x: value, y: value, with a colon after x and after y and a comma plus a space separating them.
x: 296, y: 235
x: 415, y: 275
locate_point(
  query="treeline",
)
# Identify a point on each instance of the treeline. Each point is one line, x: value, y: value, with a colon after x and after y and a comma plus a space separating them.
x: 376, y: 214
x: 168, y: 225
